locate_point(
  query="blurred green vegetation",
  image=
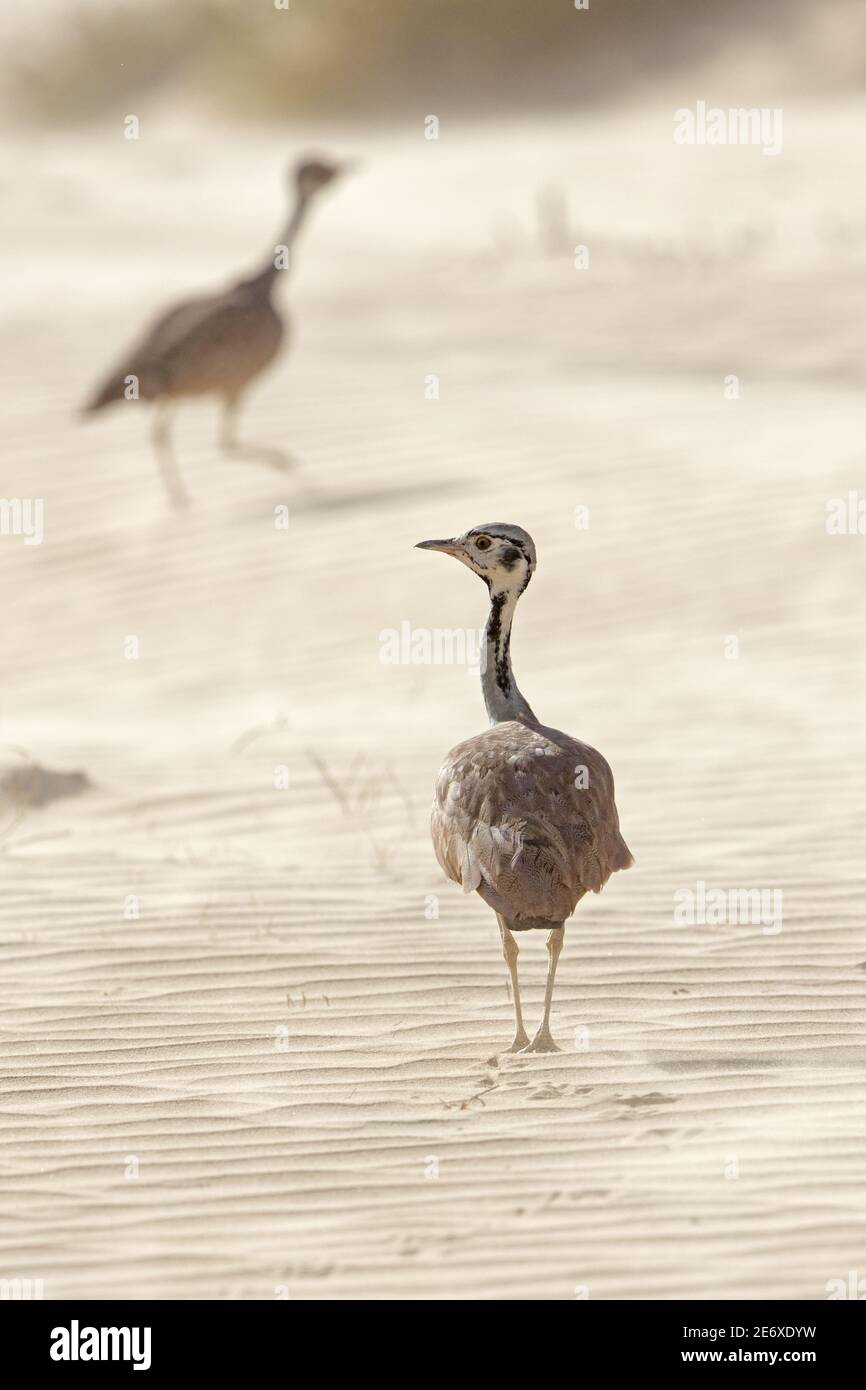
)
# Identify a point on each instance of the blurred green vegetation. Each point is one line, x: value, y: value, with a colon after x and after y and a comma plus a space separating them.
x: 377, y: 58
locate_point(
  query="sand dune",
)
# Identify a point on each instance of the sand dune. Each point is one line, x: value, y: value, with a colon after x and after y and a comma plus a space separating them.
x: 237, y: 1059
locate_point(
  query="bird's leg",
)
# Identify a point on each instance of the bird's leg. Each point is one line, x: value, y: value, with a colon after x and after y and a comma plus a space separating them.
x: 229, y: 428
x: 543, y: 1042
x: 510, y: 952
x: 273, y: 458
x: 165, y: 455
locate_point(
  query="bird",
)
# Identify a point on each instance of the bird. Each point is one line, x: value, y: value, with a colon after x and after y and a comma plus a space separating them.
x: 523, y: 814
x: 214, y: 344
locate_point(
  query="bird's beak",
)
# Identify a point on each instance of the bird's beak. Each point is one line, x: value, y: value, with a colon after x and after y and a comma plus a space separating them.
x: 447, y: 547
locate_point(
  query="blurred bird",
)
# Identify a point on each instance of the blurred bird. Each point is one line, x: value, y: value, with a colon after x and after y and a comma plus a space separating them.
x: 215, y: 344
x: 522, y: 814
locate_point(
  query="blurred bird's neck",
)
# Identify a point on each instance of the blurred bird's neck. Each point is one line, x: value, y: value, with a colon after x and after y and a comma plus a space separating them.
x: 295, y: 222
x: 502, y: 698
x: 281, y: 260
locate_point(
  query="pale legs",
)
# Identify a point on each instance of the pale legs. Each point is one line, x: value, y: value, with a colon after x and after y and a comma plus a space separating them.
x: 165, y: 455
x: 229, y: 428
x: 510, y: 952
x: 543, y: 1042
x: 274, y: 458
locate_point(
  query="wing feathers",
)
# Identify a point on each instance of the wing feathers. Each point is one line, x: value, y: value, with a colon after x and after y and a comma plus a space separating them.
x: 512, y: 821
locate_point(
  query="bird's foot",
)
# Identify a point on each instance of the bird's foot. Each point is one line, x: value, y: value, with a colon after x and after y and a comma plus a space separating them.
x: 521, y: 1041
x: 277, y: 459
x: 542, y: 1042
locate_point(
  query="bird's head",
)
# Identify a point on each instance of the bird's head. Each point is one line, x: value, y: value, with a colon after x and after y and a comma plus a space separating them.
x: 503, y: 555
x: 311, y: 175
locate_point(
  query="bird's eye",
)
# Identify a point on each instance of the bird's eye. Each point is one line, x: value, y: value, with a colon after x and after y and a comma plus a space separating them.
x: 482, y: 543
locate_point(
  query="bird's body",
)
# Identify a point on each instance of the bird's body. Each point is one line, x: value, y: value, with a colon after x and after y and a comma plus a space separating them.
x: 211, y: 345
x: 523, y: 814
x: 512, y: 822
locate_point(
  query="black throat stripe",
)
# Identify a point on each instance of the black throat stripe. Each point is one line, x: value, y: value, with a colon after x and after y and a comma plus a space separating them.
x: 500, y: 645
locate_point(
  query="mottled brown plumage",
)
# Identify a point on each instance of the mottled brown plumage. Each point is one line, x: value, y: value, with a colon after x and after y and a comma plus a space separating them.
x: 212, y: 345
x: 512, y: 822
x: 523, y: 814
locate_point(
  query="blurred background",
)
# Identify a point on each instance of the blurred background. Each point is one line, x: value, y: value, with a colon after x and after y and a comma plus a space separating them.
x: 344, y: 59
x: 218, y: 953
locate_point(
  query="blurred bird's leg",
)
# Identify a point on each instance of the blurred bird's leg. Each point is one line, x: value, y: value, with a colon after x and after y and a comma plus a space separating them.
x: 510, y: 952
x: 543, y: 1042
x: 164, y: 450
x: 229, y: 428
x: 274, y: 458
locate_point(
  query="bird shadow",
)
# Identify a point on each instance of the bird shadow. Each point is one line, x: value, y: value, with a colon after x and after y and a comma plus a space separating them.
x: 684, y: 1065
x: 347, y: 498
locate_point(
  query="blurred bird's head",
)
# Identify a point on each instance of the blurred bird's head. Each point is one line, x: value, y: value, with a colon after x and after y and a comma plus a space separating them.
x: 311, y: 175
x: 503, y: 555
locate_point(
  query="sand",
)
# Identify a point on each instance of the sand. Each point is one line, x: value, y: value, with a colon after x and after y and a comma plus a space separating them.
x: 241, y: 1055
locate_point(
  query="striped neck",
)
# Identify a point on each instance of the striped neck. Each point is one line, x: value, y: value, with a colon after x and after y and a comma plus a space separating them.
x: 502, y: 698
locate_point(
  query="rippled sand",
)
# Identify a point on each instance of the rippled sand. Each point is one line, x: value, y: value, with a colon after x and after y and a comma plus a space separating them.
x: 279, y: 1078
